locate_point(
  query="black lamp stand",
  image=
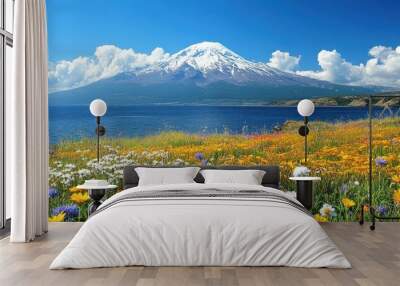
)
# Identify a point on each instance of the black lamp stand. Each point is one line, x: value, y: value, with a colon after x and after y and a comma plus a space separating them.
x: 370, y: 191
x: 97, y: 194
x: 303, y: 131
x: 100, y: 131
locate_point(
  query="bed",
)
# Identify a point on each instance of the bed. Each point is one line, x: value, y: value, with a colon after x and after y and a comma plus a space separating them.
x: 197, y: 224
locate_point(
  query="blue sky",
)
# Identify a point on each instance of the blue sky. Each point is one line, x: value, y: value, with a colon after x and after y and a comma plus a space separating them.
x: 352, y: 42
x: 254, y: 29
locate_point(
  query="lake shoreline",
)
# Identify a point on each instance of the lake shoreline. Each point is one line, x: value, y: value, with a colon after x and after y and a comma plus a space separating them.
x: 75, y: 122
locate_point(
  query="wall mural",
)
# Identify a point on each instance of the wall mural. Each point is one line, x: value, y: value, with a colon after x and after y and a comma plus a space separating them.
x: 205, y: 103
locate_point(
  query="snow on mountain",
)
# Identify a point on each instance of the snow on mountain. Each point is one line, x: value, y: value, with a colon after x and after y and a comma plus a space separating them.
x: 209, y: 62
x: 209, y: 56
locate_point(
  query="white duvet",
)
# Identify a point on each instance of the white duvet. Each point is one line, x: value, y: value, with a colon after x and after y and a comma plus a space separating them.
x: 200, y: 231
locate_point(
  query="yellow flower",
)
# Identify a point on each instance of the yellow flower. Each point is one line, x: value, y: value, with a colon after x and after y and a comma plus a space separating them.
x: 320, y: 218
x: 346, y: 157
x: 79, y: 198
x: 348, y: 203
x: 75, y: 190
x: 57, y: 218
x: 396, y: 179
x: 396, y: 197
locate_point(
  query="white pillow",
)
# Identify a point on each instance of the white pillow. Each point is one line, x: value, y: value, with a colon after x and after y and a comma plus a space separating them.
x: 248, y: 177
x: 166, y: 176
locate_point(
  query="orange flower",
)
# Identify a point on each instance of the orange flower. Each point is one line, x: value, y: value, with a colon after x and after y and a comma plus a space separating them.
x: 348, y: 203
x: 79, y: 198
x: 396, y: 179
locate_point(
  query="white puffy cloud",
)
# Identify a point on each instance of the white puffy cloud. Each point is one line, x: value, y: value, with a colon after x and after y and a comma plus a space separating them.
x: 284, y: 61
x: 335, y: 69
x: 383, y: 69
x: 107, y: 61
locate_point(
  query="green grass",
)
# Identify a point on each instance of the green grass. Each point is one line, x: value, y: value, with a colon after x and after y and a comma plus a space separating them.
x: 337, y: 153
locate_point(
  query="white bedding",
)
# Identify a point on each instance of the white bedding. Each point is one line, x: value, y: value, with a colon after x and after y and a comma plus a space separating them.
x: 200, y: 231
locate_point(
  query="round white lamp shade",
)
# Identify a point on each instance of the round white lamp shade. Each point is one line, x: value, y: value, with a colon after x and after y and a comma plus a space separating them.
x: 98, y: 107
x: 305, y: 107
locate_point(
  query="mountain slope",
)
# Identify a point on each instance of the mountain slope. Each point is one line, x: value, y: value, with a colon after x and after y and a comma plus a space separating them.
x: 204, y: 73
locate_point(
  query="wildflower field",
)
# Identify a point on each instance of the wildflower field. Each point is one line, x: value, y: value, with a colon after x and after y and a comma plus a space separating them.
x: 338, y: 153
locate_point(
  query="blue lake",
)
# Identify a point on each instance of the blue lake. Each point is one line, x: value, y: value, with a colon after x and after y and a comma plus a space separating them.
x: 74, y: 122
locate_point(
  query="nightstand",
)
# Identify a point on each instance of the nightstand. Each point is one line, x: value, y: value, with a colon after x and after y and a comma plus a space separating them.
x: 96, y: 193
x: 304, y: 192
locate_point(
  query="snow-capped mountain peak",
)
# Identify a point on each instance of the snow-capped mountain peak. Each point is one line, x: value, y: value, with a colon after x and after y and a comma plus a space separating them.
x: 207, y: 56
x: 210, y: 62
x: 204, y: 46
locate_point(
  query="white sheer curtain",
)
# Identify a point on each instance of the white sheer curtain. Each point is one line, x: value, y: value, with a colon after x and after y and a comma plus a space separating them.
x: 27, y: 124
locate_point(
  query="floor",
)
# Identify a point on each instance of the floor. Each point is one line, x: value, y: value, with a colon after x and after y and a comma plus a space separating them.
x: 375, y: 257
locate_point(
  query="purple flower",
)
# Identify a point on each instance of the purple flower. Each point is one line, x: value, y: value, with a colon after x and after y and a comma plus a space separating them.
x: 53, y: 192
x: 199, y: 156
x: 381, y: 210
x: 380, y: 162
x: 70, y: 211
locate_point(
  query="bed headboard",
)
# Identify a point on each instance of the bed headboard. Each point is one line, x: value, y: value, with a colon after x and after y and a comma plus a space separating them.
x: 270, y: 179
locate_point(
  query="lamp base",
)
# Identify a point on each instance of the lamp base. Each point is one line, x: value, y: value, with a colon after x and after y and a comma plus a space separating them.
x: 96, y: 195
x: 304, y: 193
